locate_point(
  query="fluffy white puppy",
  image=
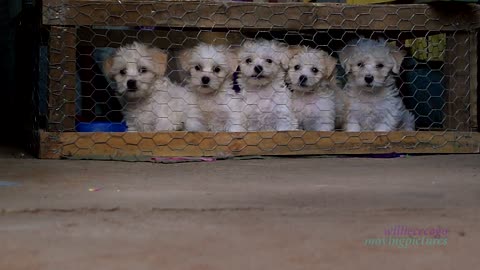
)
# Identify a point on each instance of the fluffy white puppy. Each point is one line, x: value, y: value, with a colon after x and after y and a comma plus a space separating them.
x: 373, y: 99
x: 211, y: 68
x: 312, y: 78
x: 267, y: 100
x: 152, y: 101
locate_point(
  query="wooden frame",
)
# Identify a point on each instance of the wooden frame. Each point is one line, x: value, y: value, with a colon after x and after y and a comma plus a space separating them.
x: 64, y: 17
x: 262, y: 16
x: 62, y: 61
x: 142, y: 146
x: 462, y: 81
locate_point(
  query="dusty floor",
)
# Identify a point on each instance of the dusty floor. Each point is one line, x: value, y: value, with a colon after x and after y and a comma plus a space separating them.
x: 251, y: 214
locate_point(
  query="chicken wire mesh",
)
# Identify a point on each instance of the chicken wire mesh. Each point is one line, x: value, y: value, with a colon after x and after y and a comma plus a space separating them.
x: 183, y: 78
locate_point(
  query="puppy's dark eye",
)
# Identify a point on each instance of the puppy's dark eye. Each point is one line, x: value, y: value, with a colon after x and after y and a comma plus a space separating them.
x: 360, y: 64
x: 123, y: 72
x: 198, y: 67
x: 380, y: 65
x: 315, y: 70
x: 142, y: 70
x: 297, y: 67
x: 248, y: 61
x: 269, y: 61
x: 216, y: 70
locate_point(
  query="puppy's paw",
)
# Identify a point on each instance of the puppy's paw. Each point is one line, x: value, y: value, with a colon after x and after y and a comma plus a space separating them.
x: 195, y: 125
x: 352, y: 127
x: 383, y: 128
x: 236, y: 128
x: 286, y: 126
x: 325, y: 127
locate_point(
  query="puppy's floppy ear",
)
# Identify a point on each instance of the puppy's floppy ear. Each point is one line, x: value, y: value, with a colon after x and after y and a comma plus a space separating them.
x: 232, y: 59
x: 231, y: 56
x: 159, y: 58
x: 248, y: 43
x: 185, y: 56
x: 294, y: 50
x: 344, y: 56
x: 330, y: 66
x: 397, y: 57
x: 281, y: 49
x: 107, y: 66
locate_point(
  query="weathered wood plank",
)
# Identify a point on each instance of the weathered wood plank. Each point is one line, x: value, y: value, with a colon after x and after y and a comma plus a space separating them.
x: 473, y: 80
x: 142, y: 146
x: 461, y: 80
x: 50, y: 145
x: 164, y: 39
x: 267, y: 16
x: 62, y: 93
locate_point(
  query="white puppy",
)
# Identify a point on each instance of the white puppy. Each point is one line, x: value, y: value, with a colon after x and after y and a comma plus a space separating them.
x: 152, y: 101
x: 211, y: 68
x: 267, y: 100
x: 372, y: 96
x: 312, y: 78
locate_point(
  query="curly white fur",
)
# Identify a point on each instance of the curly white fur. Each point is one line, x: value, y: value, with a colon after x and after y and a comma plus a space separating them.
x: 266, y: 101
x: 211, y: 68
x: 373, y: 101
x: 152, y: 101
x: 312, y: 77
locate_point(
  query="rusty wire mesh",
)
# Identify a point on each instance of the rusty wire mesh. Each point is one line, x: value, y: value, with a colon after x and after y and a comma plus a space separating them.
x: 90, y: 77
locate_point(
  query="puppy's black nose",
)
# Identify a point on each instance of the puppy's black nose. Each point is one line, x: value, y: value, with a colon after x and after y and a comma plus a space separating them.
x: 303, y: 80
x: 258, y: 69
x: 132, y: 85
x: 205, y: 80
x: 369, y: 79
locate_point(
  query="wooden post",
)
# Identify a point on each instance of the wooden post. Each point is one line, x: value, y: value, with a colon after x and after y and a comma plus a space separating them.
x: 461, y: 79
x: 473, y: 81
x: 62, y: 87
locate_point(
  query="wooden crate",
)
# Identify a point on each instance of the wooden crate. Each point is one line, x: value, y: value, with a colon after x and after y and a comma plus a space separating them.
x: 68, y: 19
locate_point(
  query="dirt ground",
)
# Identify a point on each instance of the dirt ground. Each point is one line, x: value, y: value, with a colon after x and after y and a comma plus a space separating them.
x: 315, y: 213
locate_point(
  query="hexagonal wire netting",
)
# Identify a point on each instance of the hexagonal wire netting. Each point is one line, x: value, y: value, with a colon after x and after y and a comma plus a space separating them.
x: 225, y: 78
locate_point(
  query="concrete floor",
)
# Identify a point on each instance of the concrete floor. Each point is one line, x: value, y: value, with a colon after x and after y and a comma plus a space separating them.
x: 239, y: 214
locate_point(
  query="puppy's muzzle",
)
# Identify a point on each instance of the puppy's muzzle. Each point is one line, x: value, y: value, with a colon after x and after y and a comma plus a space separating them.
x: 205, y: 80
x: 369, y: 79
x: 302, y: 80
x: 132, y: 85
